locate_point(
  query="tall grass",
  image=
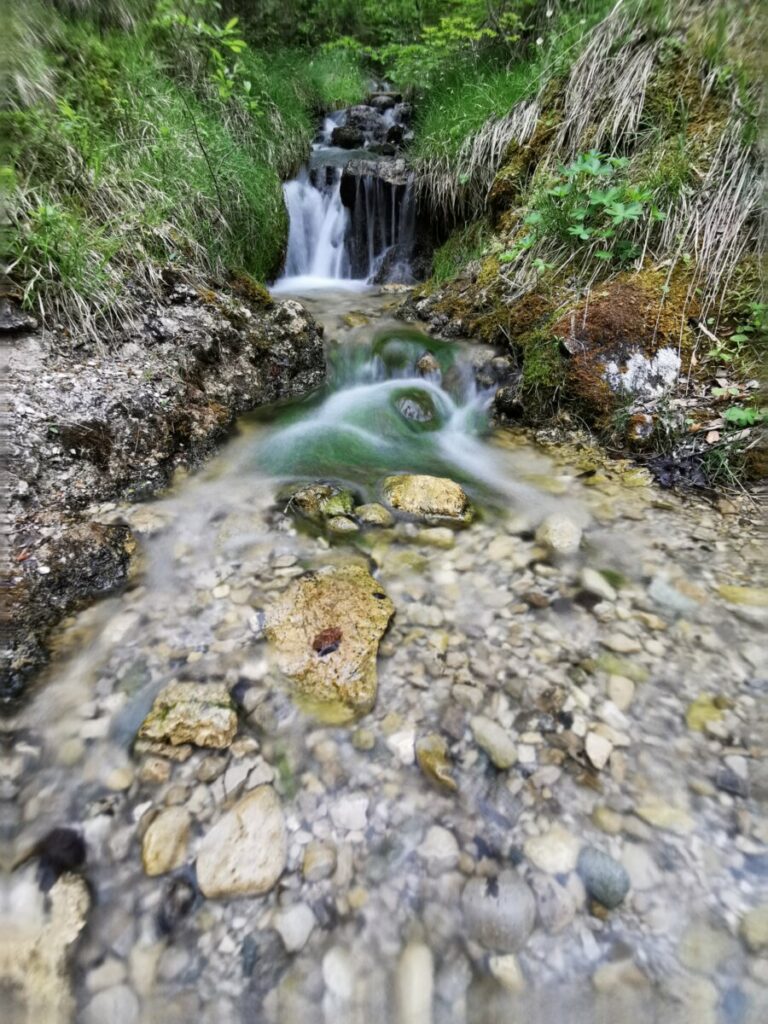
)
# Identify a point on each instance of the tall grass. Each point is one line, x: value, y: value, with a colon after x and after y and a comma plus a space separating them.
x: 122, y: 168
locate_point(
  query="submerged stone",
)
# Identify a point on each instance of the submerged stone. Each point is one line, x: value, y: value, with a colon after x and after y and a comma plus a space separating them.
x: 499, y: 912
x: 374, y: 515
x: 244, y: 853
x: 325, y: 631
x: 318, y: 502
x: 428, y: 497
x: 561, y: 535
x: 604, y: 878
x: 432, y: 758
x: 199, y: 713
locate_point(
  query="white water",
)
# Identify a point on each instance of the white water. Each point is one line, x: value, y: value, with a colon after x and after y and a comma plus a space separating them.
x: 318, y: 227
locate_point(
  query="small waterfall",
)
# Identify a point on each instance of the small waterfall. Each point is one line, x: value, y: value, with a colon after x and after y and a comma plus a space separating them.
x: 352, y: 211
x: 318, y: 225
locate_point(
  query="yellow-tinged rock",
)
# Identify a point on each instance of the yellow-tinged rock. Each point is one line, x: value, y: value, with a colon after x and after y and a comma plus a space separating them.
x: 755, y: 597
x: 432, y: 498
x: 701, y: 711
x: 325, y: 631
x: 432, y: 758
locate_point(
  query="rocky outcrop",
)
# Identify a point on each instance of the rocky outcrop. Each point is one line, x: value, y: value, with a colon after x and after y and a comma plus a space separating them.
x: 92, y: 424
x: 325, y: 631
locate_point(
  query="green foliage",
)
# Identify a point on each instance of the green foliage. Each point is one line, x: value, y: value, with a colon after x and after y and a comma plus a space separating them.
x: 752, y: 333
x: 463, y: 246
x: 744, y: 416
x: 589, y: 204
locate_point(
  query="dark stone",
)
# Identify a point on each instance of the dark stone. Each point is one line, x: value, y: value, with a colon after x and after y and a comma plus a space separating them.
x: 729, y: 782
x: 347, y: 137
x: 396, y: 134
x: 604, y: 878
x: 507, y: 403
x: 61, y: 850
x: 264, y: 961
x: 178, y: 900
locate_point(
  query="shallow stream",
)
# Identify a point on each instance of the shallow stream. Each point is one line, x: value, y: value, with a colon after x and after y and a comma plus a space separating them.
x: 400, y: 900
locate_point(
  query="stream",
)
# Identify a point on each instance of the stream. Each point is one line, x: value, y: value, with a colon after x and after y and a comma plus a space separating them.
x: 599, y: 715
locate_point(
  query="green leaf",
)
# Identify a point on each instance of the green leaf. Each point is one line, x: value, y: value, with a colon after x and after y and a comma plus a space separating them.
x: 741, y: 417
x: 604, y: 254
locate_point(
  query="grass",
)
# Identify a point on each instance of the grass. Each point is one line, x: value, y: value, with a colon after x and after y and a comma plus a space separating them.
x: 462, y: 247
x: 123, y: 169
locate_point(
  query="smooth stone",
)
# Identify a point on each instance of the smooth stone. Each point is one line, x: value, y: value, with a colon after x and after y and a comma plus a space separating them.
x: 619, y: 643
x: 339, y: 973
x: 439, y: 850
x: 245, y: 852
x: 321, y: 501
x: 621, y: 691
x: 350, y: 812
x: 319, y: 861
x: 659, y: 814
x: 414, y: 984
x: 199, y: 713
x: 559, y: 534
x: 595, y: 583
x: 375, y: 515
x: 643, y: 871
x: 437, y: 537
x: 506, y: 970
x: 703, y: 948
x: 401, y: 744
x: 555, y: 852
x: 164, y: 846
x: 555, y: 905
x: 325, y: 631
x: 294, y: 926
x: 598, y: 748
x: 701, y: 712
x: 117, y: 1005
x: 432, y: 757
x: 754, y: 929
x: 428, y: 497
x: 494, y: 740
x: 341, y: 525
x: 604, y: 878
x: 499, y: 913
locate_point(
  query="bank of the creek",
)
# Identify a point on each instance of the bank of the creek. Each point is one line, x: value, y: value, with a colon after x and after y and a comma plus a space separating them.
x: 554, y: 808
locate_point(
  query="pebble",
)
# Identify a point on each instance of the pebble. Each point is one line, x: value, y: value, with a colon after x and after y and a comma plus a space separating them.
x: 245, y: 852
x: 754, y: 929
x: 665, y: 816
x: 555, y: 905
x: 495, y: 741
x: 117, y: 1005
x: 319, y: 861
x: 350, y: 812
x: 555, y: 852
x: 339, y: 973
x: 559, y: 534
x: 415, y: 984
x: 604, y: 878
x: 164, y: 846
x: 295, y: 925
x: 597, y: 584
x: 439, y: 850
x: 499, y: 913
x: 598, y: 748
x: 621, y: 691
x: 506, y: 970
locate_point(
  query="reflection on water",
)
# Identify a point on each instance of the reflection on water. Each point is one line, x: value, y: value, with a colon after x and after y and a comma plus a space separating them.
x: 509, y: 656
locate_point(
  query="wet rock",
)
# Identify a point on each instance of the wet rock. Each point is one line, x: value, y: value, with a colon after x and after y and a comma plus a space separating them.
x: 319, y: 861
x: 728, y: 781
x: 703, y: 948
x: 559, y: 534
x: 604, y: 878
x: 621, y: 691
x: 427, y: 366
x: 59, y: 851
x: 319, y: 502
x: 350, y: 812
x: 244, y: 853
x: 339, y: 973
x: 555, y: 852
x: 348, y: 137
x: 507, y: 971
x: 437, y: 537
x: 439, y: 850
x: 199, y: 713
x: 417, y: 407
x: 375, y: 515
x: 555, y: 905
x: 294, y: 925
x: 428, y: 497
x: 34, y: 951
x: 118, y: 1005
x: 496, y: 743
x: 340, y: 526
x: 754, y: 597
x: 754, y: 929
x: 178, y: 899
x: 432, y: 757
x: 325, y: 631
x: 660, y: 814
x: 701, y: 712
x: 164, y: 846
x: 598, y: 748
x: 414, y: 984
x: 595, y: 583
x: 499, y: 913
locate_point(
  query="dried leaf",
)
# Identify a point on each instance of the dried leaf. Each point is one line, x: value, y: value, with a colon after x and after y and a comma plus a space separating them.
x: 713, y: 436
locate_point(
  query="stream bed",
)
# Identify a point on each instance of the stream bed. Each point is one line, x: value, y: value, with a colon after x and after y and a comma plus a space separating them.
x: 596, y: 719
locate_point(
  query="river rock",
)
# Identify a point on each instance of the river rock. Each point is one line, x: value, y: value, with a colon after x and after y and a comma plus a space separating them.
x: 604, y: 878
x: 325, y: 631
x: 559, y: 534
x: 319, y: 861
x: 318, y: 502
x: 495, y: 741
x: 432, y: 757
x: 199, y: 713
x: 439, y: 850
x: 414, y: 984
x: 555, y: 905
x: 555, y: 852
x: 244, y: 853
x: 375, y: 515
x: 341, y: 525
x: 598, y: 748
x: 118, y: 1005
x: 164, y: 846
x: 754, y: 929
x: 295, y: 925
x: 499, y: 912
x: 595, y: 583
x: 659, y: 814
x: 431, y: 498
x: 506, y: 970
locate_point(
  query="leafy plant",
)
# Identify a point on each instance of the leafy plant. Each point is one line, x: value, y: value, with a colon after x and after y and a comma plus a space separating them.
x: 754, y: 328
x: 741, y: 416
x: 588, y: 205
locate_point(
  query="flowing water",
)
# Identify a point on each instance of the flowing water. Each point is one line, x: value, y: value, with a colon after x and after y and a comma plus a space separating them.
x: 401, y: 902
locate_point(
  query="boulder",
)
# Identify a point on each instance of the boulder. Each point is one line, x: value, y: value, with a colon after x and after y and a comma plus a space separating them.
x: 199, y: 713
x: 348, y: 137
x: 325, y: 631
x: 431, y: 498
x: 244, y: 853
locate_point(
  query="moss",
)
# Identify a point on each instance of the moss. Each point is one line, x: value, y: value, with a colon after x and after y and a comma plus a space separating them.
x: 519, y: 163
x: 249, y: 288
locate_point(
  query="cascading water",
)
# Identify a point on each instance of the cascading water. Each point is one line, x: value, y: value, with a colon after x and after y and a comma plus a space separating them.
x: 352, y: 209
